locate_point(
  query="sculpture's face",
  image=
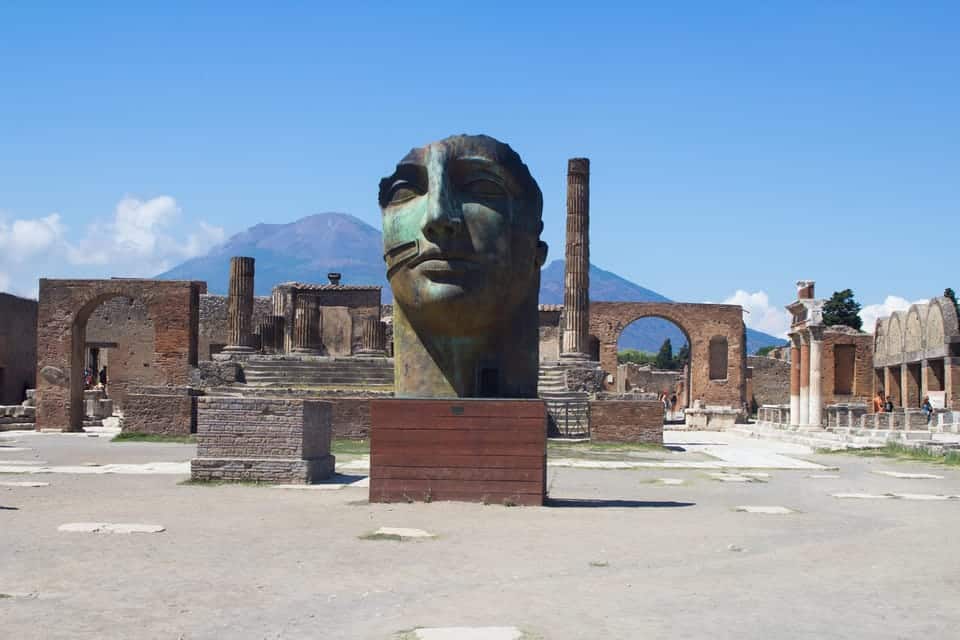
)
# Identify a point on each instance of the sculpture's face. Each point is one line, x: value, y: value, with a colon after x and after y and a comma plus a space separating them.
x: 461, y: 226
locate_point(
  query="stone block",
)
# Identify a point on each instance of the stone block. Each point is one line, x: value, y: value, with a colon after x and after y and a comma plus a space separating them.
x: 627, y: 421
x: 285, y: 441
x: 173, y: 412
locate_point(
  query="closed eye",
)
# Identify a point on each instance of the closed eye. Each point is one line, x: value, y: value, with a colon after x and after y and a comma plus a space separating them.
x: 402, y: 191
x: 484, y: 188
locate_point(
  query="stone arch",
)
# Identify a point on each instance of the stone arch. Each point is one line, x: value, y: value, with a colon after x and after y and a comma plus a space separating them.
x: 64, y: 309
x: 913, y: 329
x: 894, y: 339
x: 699, y: 323
x: 934, y: 331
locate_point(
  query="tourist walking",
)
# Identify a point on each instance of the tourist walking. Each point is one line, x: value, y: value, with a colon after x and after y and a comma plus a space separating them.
x: 927, y: 408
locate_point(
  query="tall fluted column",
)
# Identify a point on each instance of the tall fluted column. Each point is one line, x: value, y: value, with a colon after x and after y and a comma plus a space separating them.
x: 815, y: 415
x: 804, y: 379
x: 372, y: 337
x: 576, y: 280
x: 240, y: 306
x: 794, y: 379
x: 306, y: 325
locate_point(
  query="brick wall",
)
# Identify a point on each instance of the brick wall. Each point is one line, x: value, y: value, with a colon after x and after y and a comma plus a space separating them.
x: 701, y: 323
x: 634, y: 421
x: 18, y: 347
x: 863, y: 377
x: 64, y: 310
x: 172, y: 412
x: 213, y: 321
x: 351, y: 417
x: 771, y: 380
x: 263, y: 440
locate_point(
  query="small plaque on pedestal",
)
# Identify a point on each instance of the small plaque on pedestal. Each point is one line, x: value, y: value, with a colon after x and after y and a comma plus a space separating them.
x: 472, y: 450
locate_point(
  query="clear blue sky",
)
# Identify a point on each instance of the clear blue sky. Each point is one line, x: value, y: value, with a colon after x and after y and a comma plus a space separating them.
x: 733, y: 145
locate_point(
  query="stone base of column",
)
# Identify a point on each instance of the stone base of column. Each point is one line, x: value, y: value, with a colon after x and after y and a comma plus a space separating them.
x: 371, y: 353
x: 305, y: 351
x: 237, y: 349
x: 578, y: 357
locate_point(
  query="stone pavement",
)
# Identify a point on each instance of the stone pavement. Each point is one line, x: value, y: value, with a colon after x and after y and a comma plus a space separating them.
x: 619, y: 553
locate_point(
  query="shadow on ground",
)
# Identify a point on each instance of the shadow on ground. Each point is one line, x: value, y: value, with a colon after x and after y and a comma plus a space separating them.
x: 588, y: 503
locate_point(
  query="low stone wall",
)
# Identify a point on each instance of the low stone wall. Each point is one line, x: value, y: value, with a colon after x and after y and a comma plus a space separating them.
x: 168, y: 411
x: 711, y: 418
x: 632, y: 421
x: 263, y: 440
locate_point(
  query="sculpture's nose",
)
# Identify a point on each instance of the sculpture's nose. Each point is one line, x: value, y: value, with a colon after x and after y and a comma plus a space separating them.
x: 443, y: 218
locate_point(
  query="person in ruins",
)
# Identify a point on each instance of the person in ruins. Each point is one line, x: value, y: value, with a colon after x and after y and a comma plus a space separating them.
x: 927, y: 408
x: 888, y: 405
x: 878, y: 402
x: 461, y: 233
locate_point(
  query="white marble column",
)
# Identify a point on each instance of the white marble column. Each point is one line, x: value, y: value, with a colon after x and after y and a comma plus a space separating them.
x: 794, y: 380
x: 804, y: 379
x: 815, y: 413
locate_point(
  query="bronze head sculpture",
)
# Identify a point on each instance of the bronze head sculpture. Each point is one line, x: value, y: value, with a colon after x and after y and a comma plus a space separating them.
x: 461, y: 235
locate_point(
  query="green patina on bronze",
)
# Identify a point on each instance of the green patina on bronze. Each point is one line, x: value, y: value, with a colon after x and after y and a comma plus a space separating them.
x: 461, y: 236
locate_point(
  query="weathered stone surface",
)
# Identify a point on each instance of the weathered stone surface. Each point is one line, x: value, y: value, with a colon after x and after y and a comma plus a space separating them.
x: 66, y: 306
x: 703, y: 324
x: 626, y: 421
x: 462, y: 220
x: 162, y: 411
x: 18, y: 347
x: 263, y: 440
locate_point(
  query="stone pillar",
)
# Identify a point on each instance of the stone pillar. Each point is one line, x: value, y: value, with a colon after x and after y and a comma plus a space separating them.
x: 910, y: 388
x: 815, y: 414
x: 271, y: 334
x: 576, y: 279
x: 951, y: 382
x: 306, y: 325
x: 794, y: 379
x: 373, y: 337
x: 804, y: 379
x: 240, y: 306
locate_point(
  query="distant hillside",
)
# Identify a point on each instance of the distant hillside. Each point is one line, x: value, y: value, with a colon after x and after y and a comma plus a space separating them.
x: 308, y: 249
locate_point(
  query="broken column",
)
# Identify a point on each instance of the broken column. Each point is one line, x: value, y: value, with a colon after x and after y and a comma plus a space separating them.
x: 576, y: 281
x: 306, y: 325
x: 240, y: 306
x: 372, y: 337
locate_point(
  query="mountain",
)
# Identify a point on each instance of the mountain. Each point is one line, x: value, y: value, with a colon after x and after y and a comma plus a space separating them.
x: 309, y: 248
x: 303, y: 251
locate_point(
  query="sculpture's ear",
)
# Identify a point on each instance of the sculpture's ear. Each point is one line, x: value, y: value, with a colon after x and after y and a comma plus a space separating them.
x: 541, y: 253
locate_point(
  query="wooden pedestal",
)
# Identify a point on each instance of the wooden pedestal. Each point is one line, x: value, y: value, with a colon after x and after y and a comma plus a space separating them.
x: 471, y: 450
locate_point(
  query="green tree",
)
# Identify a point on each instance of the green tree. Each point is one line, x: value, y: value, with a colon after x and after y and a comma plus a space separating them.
x: 682, y: 357
x: 842, y: 309
x: 634, y: 356
x: 665, y: 356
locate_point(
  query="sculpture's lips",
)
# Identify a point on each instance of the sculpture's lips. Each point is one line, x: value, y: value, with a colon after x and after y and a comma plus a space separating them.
x: 439, y: 262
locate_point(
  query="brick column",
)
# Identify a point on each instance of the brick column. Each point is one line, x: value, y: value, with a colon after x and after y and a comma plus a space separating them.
x: 372, y: 337
x: 910, y: 388
x: 240, y: 306
x: 794, y: 379
x: 576, y: 279
x: 815, y: 413
x: 804, y: 379
x: 951, y: 382
x: 306, y: 325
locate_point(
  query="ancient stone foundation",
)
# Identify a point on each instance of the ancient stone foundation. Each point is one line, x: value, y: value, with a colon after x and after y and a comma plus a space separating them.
x: 170, y: 411
x: 470, y: 450
x: 263, y: 440
x: 627, y: 421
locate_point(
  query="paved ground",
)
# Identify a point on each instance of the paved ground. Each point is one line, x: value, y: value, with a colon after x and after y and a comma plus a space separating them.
x: 649, y: 552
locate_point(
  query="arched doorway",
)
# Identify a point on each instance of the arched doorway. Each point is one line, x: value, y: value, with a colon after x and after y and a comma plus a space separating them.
x: 653, y: 356
x: 65, y: 309
x: 716, y: 335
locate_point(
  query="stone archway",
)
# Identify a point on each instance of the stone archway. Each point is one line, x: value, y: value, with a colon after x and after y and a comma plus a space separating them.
x: 65, y: 307
x: 702, y: 324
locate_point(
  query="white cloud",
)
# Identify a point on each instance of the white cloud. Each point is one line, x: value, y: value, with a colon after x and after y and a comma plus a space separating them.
x: 872, y: 312
x: 761, y: 315
x: 141, y: 238
x: 25, y: 238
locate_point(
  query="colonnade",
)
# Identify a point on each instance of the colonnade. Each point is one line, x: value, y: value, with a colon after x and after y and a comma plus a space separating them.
x: 806, y: 363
